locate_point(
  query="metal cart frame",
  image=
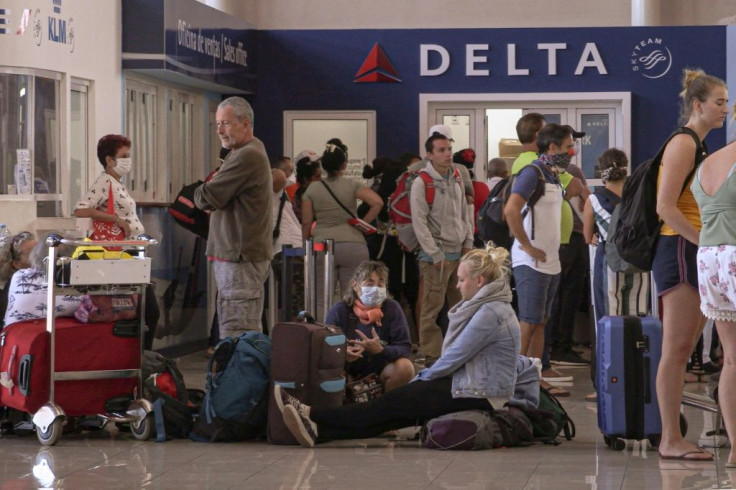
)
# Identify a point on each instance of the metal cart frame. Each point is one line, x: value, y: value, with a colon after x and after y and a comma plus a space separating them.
x: 101, y: 276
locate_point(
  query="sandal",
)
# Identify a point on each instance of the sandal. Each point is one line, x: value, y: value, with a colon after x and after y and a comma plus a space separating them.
x: 686, y: 456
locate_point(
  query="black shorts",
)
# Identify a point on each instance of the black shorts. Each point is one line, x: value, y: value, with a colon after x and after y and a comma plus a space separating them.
x: 675, y: 263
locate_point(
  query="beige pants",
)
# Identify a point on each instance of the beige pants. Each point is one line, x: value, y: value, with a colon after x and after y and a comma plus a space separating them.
x: 437, y: 284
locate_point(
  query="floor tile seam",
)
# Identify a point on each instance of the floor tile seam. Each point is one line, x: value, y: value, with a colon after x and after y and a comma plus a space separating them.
x: 447, y: 465
x: 263, y: 468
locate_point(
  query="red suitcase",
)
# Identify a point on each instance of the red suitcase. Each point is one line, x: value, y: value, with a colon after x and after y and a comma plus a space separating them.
x: 25, y: 369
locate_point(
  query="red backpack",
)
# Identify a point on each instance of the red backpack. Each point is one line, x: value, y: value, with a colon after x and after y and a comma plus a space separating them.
x: 399, y: 206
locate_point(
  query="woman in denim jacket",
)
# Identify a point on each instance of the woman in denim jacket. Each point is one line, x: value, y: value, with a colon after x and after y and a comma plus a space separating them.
x: 477, y: 369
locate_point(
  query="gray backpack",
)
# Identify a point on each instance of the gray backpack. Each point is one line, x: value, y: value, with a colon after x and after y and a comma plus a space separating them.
x: 613, y: 258
x: 478, y: 429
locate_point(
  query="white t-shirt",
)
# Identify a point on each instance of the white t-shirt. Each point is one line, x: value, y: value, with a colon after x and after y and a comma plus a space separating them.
x: 97, y: 195
x: 291, y: 229
x: 544, y: 232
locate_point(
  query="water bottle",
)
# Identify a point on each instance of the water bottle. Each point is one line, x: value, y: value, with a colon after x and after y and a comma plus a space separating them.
x: 4, y: 232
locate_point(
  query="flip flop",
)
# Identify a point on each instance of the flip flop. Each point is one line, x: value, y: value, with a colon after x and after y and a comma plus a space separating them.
x: 558, y: 392
x: 684, y: 456
x: 730, y: 465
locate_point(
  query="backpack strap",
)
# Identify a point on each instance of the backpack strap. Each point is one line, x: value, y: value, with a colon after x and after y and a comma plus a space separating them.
x: 701, y: 152
x: 428, y: 187
x: 540, y: 189
x: 609, y: 195
x: 282, y: 203
x: 337, y: 200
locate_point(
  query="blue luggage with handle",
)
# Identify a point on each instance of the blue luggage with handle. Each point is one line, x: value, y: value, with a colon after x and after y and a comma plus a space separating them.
x: 628, y: 351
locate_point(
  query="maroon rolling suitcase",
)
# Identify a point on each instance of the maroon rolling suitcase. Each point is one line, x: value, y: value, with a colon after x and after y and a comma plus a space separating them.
x: 25, y: 370
x: 308, y: 360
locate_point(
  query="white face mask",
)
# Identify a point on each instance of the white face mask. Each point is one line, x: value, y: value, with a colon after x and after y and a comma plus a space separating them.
x: 372, y: 295
x: 291, y: 179
x: 123, y: 165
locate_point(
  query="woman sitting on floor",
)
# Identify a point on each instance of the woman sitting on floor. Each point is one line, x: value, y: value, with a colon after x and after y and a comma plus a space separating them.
x: 477, y: 369
x: 376, y: 328
x: 27, y: 289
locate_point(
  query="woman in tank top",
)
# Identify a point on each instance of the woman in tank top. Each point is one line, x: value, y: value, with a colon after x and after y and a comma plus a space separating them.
x: 704, y: 107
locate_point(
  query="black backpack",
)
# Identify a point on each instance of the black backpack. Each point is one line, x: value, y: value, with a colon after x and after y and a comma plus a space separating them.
x: 176, y: 413
x: 637, y: 225
x: 491, y: 221
x: 186, y: 214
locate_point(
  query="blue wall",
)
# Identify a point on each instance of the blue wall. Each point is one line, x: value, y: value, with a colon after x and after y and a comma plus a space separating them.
x: 314, y: 70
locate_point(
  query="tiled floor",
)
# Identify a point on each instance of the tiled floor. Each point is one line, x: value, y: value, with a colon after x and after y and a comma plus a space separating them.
x: 108, y: 459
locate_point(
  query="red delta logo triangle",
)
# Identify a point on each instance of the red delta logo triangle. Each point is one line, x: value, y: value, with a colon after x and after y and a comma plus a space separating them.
x: 377, y: 68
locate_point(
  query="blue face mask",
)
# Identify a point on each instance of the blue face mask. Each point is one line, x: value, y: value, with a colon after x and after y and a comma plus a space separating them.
x: 372, y: 295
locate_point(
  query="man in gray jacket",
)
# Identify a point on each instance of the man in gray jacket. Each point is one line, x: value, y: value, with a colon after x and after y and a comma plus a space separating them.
x: 444, y: 231
x: 241, y: 228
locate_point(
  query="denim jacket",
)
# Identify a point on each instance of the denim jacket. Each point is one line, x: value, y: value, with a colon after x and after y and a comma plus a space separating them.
x: 481, y: 346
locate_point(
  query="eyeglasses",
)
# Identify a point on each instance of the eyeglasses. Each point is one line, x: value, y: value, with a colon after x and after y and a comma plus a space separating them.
x: 19, y: 240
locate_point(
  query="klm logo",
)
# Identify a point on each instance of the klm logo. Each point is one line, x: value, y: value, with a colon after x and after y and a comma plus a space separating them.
x: 57, y: 30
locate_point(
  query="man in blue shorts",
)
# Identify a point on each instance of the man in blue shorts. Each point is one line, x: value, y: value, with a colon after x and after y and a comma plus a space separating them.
x: 535, y: 252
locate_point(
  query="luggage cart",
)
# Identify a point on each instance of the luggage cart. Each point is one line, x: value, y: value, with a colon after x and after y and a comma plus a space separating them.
x: 100, y: 276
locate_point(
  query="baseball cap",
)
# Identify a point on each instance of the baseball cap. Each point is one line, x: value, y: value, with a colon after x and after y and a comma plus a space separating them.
x: 575, y: 134
x: 304, y: 154
x: 442, y: 129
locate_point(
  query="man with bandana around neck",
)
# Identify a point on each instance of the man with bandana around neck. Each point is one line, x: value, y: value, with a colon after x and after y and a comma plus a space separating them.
x: 534, y: 254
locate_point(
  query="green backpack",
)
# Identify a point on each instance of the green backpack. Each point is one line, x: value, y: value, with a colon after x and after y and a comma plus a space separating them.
x: 550, y: 419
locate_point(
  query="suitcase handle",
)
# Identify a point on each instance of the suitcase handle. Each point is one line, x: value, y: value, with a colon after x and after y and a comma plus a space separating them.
x: 647, y: 394
x: 126, y: 328
x: 24, y: 374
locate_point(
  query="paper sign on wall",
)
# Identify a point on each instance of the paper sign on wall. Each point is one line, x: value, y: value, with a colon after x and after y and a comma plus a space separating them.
x: 23, y: 171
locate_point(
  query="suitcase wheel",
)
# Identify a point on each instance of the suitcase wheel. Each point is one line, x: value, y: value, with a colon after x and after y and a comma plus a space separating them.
x: 654, y: 440
x: 618, y: 444
x: 615, y: 443
x: 53, y: 432
x: 144, y: 428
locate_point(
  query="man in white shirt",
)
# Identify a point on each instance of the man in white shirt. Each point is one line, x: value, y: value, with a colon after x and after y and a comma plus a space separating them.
x: 287, y: 231
x: 535, y: 252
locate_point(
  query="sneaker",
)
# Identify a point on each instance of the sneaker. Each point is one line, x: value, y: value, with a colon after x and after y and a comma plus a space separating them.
x: 283, y: 399
x: 568, y: 358
x: 300, y: 426
x: 552, y: 376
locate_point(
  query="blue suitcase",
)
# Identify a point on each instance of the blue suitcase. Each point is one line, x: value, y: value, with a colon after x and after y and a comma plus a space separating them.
x: 628, y: 352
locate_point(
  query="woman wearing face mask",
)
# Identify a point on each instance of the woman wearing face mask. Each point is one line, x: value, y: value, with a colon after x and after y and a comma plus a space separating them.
x: 476, y: 371
x: 113, y: 152
x: 380, y: 343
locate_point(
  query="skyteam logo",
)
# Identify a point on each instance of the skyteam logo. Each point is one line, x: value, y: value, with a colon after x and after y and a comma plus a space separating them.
x: 651, y: 58
x: 377, y: 68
